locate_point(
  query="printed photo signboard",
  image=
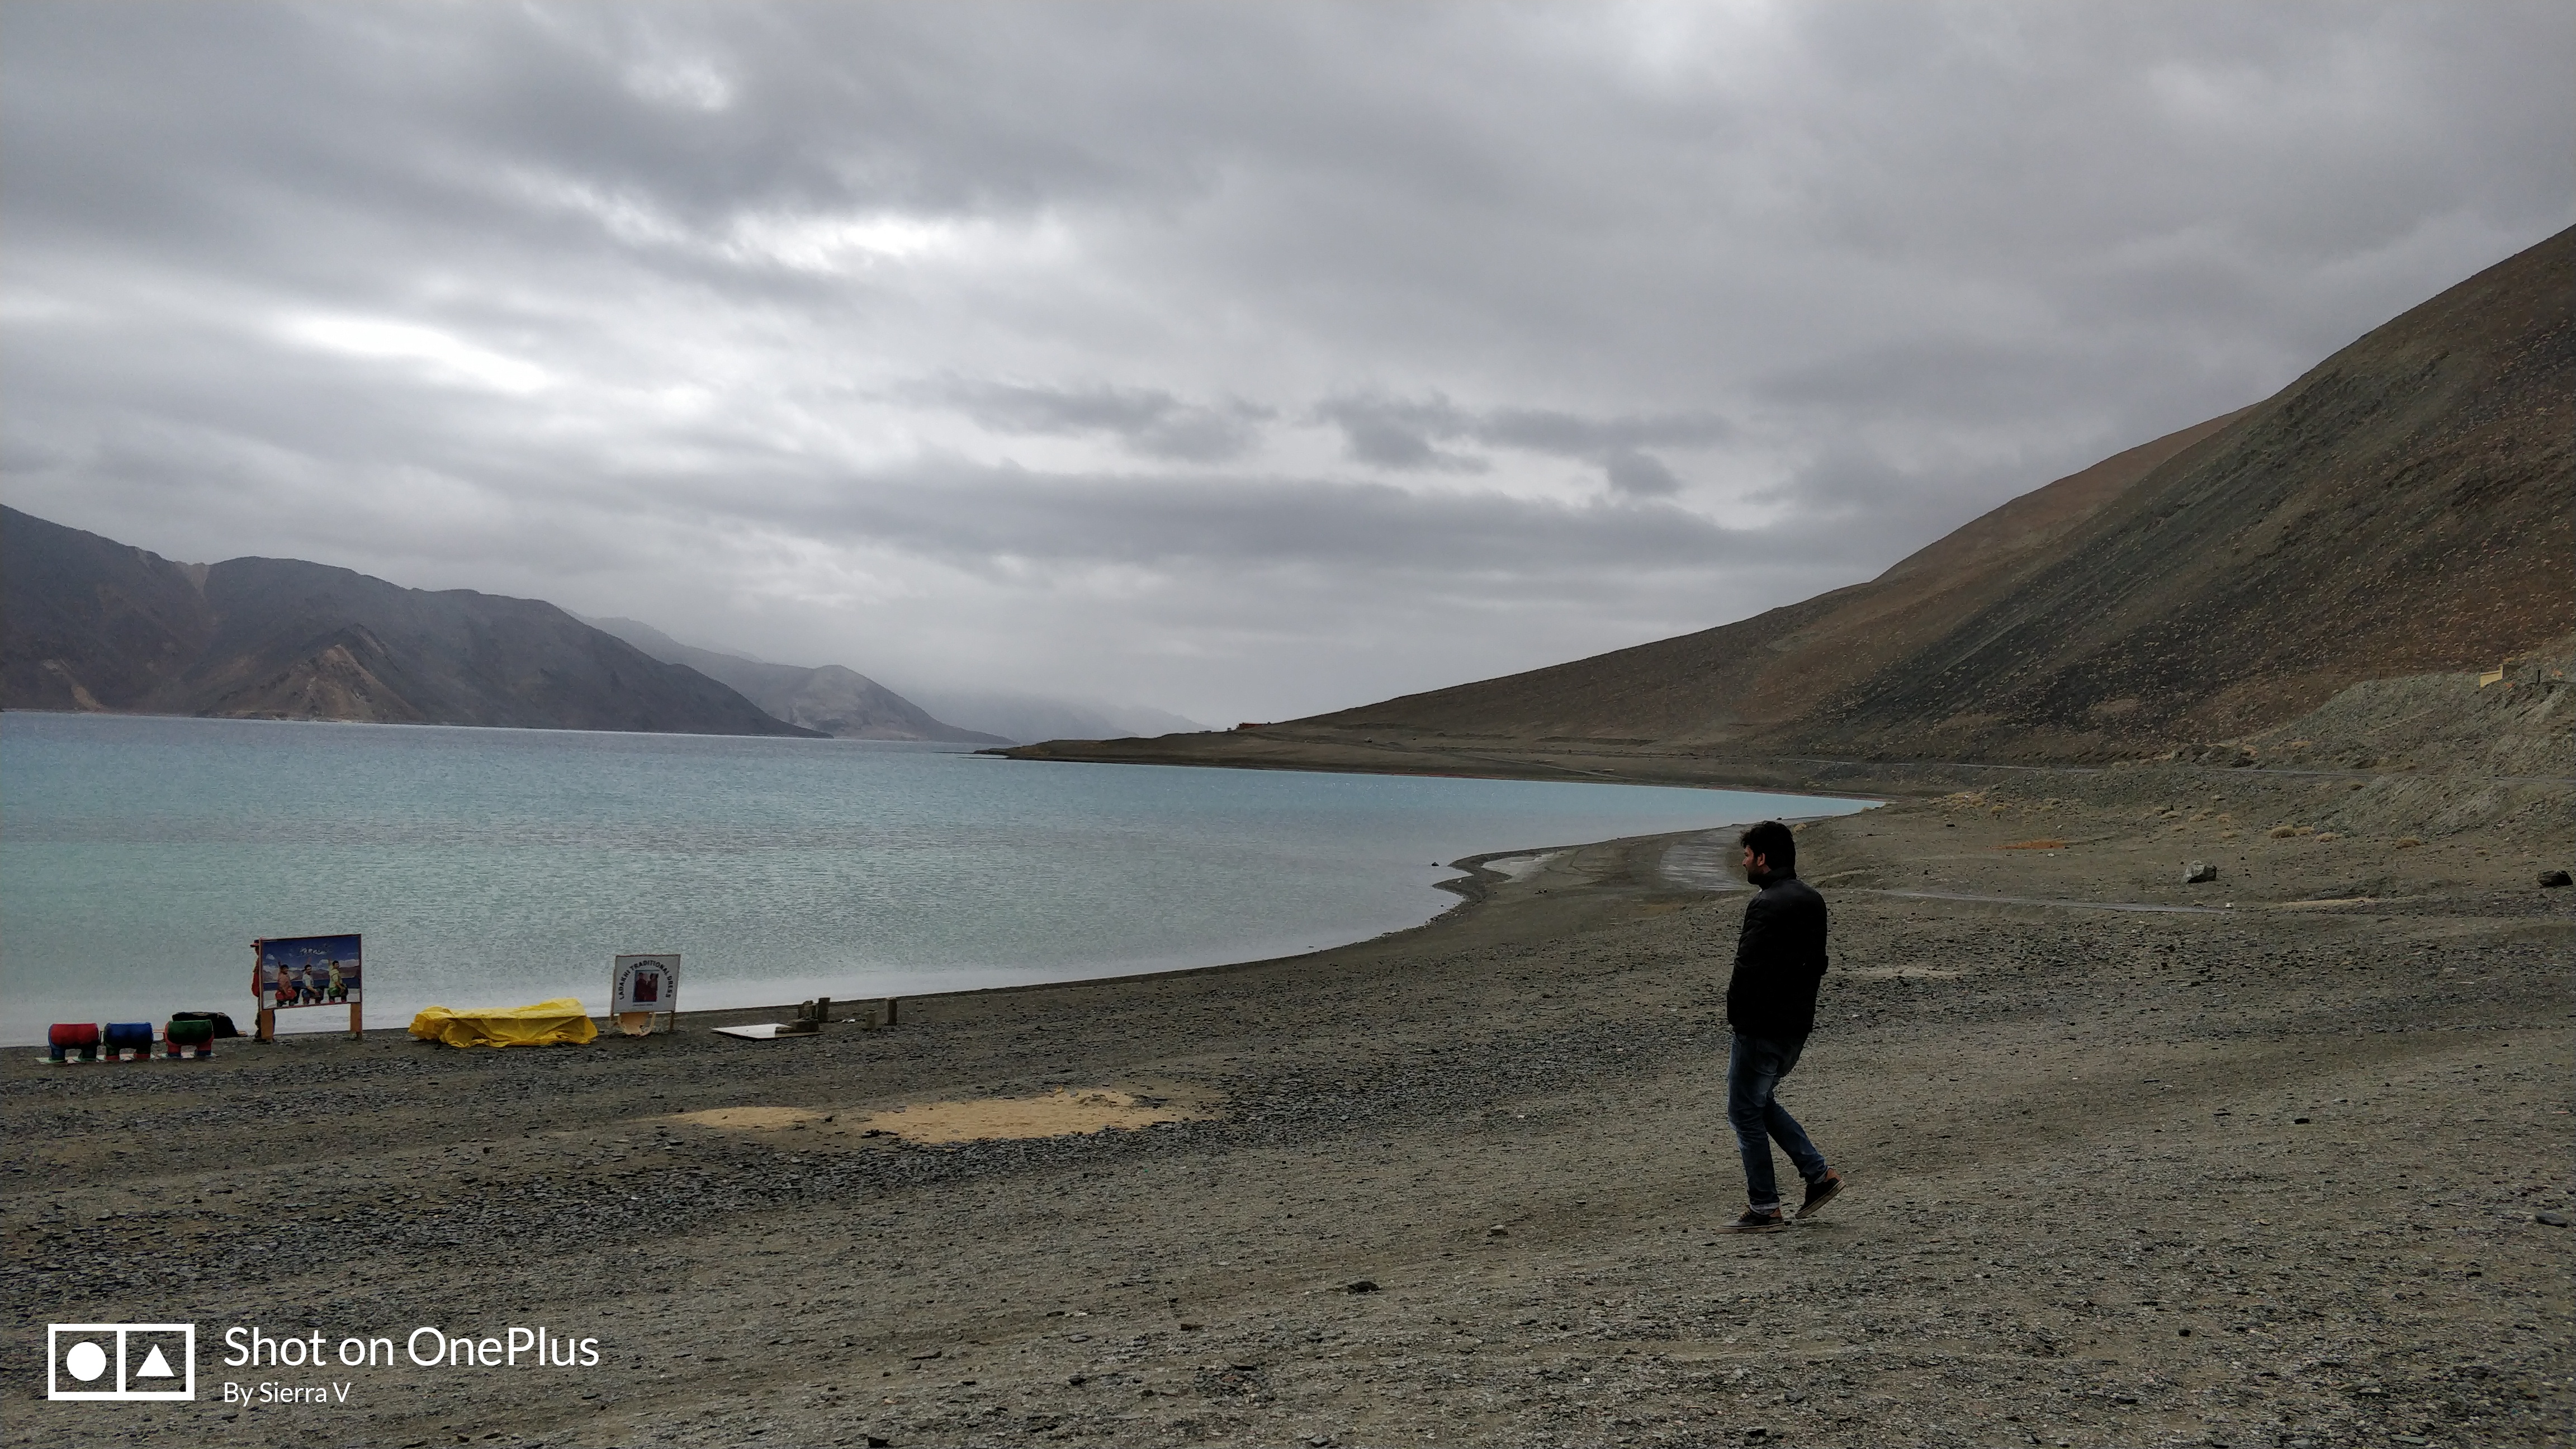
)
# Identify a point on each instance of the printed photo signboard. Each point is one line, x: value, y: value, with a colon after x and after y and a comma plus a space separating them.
x: 645, y: 986
x: 308, y: 971
x: 292, y: 971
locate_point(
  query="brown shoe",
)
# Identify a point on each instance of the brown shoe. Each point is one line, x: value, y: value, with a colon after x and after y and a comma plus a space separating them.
x: 1754, y: 1222
x: 1820, y: 1192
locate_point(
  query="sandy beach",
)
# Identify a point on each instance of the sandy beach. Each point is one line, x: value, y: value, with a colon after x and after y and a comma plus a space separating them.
x: 2275, y: 1160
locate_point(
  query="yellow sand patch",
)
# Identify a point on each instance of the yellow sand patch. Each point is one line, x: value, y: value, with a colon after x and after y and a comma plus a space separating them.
x: 752, y: 1118
x: 1060, y: 1113
x: 1057, y: 1114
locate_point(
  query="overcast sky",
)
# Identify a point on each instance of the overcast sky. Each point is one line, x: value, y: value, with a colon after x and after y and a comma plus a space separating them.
x: 1245, y: 360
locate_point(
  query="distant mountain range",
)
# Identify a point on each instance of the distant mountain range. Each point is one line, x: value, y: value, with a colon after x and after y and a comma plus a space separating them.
x: 830, y: 699
x: 90, y: 624
x: 2402, y: 509
x: 87, y: 623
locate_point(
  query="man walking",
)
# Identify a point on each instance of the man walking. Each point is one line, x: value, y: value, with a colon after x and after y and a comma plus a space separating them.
x: 1771, y: 1006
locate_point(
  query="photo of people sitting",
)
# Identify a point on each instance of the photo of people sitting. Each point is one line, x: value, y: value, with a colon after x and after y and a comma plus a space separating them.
x: 309, y: 971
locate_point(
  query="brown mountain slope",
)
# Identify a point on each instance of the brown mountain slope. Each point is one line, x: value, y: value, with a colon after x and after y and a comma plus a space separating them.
x: 1743, y: 679
x: 87, y: 623
x: 2402, y: 509
x: 91, y: 624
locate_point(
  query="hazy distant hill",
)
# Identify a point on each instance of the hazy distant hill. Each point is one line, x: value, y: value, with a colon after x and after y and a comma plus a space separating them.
x: 830, y: 699
x: 1036, y: 717
x: 841, y: 702
x: 2404, y: 508
x: 87, y: 623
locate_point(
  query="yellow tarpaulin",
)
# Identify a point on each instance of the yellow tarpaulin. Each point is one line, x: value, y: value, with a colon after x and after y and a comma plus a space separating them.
x: 545, y: 1024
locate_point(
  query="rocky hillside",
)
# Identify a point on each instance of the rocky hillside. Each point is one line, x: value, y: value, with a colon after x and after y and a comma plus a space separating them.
x: 92, y: 624
x: 2519, y: 726
x: 2403, y: 509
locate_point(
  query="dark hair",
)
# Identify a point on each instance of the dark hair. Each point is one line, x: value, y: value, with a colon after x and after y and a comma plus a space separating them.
x: 1772, y: 841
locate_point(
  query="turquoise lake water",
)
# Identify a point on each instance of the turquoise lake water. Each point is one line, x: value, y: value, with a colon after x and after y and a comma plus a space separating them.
x: 140, y: 857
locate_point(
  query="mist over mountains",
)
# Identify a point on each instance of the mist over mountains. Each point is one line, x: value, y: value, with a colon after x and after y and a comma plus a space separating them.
x: 843, y: 702
x: 830, y: 699
x: 1027, y: 717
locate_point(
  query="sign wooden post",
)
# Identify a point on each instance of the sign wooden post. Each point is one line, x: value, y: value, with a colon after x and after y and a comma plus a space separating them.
x: 267, y: 1028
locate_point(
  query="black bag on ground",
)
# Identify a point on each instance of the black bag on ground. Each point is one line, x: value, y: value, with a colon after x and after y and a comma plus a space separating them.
x: 223, y: 1024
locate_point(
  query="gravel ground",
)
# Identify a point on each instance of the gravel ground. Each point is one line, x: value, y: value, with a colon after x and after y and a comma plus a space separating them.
x: 2280, y: 1161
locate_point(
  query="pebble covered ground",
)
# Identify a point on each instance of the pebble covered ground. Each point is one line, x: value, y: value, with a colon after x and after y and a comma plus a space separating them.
x: 2282, y: 1161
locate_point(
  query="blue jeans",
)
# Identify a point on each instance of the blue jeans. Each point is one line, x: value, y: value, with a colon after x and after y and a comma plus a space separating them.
x: 1754, y: 1068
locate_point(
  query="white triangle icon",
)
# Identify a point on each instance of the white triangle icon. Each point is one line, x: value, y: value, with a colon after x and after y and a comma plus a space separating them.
x: 155, y: 1366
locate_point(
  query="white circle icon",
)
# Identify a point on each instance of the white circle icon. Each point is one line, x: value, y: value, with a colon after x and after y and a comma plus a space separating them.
x: 85, y: 1360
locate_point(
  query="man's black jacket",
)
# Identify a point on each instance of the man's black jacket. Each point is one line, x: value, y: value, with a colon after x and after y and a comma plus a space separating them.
x: 1779, y: 961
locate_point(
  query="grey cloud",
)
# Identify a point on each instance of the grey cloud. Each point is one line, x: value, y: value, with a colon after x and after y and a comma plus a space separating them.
x: 1639, y: 475
x: 1401, y: 433
x: 1844, y: 475
x: 1909, y: 259
x: 1567, y: 435
x: 1946, y: 378
x: 965, y: 515
x: 1147, y: 421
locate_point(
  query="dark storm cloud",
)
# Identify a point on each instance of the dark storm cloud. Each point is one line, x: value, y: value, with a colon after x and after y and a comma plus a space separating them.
x: 1246, y: 360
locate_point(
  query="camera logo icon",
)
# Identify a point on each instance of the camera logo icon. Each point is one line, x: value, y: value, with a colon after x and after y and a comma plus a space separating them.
x: 120, y: 1360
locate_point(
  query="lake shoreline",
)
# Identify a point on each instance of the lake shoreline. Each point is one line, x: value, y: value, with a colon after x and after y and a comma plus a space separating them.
x: 486, y: 868
x: 1473, y: 887
x: 2072, y: 1134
